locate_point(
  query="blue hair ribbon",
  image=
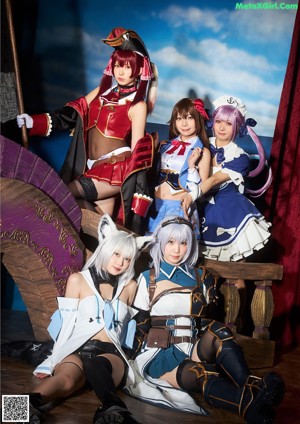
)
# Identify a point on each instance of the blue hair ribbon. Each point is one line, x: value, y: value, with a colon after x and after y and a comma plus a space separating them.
x: 243, y: 130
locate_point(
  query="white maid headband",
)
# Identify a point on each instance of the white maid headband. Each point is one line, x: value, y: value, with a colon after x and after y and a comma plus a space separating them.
x: 231, y: 101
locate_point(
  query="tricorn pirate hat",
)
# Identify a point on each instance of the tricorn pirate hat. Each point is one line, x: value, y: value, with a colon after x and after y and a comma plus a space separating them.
x: 126, y: 39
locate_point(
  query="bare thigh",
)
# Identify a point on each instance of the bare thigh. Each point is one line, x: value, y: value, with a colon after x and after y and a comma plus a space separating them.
x: 170, y: 377
x: 105, y: 206
x: 105, y: 190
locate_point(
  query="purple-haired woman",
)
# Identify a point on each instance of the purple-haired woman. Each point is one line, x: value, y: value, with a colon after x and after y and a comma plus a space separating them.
x: 232, y: 227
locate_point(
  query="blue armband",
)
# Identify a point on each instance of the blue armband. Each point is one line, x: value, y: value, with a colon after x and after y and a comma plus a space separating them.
x: 131, y: 328
x: 55, y: 325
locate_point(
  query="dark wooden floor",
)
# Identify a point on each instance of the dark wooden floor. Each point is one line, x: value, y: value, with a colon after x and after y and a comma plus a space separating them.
x: 79, y: 409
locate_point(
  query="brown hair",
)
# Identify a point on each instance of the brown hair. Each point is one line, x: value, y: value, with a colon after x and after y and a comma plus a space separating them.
x: 183, y: 108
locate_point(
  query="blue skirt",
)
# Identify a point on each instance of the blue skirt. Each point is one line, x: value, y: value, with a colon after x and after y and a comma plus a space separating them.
x: 161, y: 209
x: 232, y: 228
x: 165, y: 361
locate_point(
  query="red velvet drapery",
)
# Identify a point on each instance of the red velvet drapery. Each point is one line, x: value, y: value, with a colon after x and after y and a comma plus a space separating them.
x: 283, y: 202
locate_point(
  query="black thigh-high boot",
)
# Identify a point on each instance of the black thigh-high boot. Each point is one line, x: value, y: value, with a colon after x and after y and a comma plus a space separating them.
x: 224, y: 352
x: 254, y: 401
x: 98, y: 372
x: 231, y: 363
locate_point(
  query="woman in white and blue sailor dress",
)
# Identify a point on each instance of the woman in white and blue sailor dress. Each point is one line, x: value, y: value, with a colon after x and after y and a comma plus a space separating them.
x: 232, y: 228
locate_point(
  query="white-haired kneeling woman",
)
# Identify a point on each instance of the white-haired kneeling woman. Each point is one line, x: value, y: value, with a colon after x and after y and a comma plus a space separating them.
x: 90, y: 327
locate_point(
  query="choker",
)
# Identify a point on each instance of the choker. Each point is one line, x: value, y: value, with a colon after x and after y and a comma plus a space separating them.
x: 124, y: 89
x: 97, y: 279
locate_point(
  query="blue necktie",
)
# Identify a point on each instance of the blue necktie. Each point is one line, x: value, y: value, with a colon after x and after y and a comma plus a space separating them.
x: 109, y: 314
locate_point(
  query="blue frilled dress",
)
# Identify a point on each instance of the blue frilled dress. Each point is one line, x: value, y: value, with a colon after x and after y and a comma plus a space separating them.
x: 232, y: 228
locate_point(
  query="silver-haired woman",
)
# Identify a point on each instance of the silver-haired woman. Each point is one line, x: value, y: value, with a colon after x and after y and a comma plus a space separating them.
x: 182, y: 351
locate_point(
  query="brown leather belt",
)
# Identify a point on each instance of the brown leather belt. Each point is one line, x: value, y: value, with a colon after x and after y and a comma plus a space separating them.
x: 164, y: 318
x: 162, y: 322
x: 178, y: 339
x: 113, y: 159
x: 182, y: 339
x: 173, y: 327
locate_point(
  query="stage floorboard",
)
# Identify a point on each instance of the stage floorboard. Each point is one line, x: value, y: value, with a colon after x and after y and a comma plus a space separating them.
x: 79, y: 409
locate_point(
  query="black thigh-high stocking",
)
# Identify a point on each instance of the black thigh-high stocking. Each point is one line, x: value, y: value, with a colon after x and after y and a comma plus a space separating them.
x: 98, y: 372
x: 207, y: 347
x: 191, y: 375
x: 197, y: 377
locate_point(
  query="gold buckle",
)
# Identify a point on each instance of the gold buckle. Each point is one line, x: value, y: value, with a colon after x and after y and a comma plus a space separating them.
x: 112, y: 159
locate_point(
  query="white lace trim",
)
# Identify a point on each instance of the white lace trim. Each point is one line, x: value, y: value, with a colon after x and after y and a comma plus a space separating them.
x: 49, y: 124
x: 253, y: 237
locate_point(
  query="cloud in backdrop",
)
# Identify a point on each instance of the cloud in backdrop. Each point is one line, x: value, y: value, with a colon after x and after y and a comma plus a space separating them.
x: 205, y: 47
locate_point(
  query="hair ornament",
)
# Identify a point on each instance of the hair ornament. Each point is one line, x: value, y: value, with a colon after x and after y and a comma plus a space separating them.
x: 250, y: 122
x: 108, y: 69
x: 147, y: 73
x: 231, y: 101
x: 209, y: 122
x: 178, y: 220
x: 199, y: 106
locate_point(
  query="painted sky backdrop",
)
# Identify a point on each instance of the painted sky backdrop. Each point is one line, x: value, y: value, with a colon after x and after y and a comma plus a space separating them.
x: 205, y: 47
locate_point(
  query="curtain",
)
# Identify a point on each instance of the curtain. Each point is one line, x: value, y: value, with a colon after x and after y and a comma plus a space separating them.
x: 283, y: 203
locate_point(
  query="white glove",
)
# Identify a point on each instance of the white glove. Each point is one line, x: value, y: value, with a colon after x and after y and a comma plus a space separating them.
x: 195, y: 191
x: 24, y: 119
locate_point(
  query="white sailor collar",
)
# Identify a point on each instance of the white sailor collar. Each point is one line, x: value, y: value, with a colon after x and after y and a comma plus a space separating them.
x: 231, y: 150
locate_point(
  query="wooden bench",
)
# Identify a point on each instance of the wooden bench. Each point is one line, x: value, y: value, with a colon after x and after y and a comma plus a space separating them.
x: 259, y: 349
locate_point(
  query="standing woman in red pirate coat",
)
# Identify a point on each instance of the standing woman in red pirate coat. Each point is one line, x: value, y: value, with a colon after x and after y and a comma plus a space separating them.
x: 110, y: 152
